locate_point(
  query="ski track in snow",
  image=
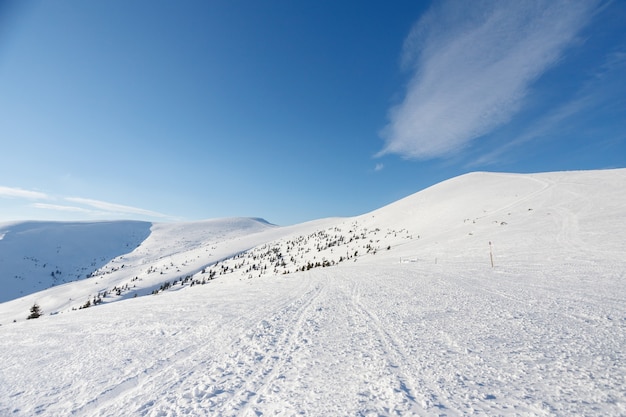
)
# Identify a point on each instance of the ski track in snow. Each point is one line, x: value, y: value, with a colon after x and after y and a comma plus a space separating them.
x: 328, y: 343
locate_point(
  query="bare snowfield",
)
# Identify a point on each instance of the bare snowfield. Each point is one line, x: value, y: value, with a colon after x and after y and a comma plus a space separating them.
x: 396, y: 312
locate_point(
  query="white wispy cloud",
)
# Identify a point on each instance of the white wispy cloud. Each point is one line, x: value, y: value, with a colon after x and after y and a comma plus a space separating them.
x: 20, y: 193
x: 115, y: 208
x: 82, y: 206
x: 541, y: 128
x: 605, y: 88
x: 58, y: 207
x: 472, y: 64
x: 379, y: 167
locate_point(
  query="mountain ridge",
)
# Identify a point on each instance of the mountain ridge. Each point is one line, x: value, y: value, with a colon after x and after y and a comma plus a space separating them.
x: 457, y: 207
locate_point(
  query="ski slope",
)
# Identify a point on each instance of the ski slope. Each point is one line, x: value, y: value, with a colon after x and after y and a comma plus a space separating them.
x: 417, y: 323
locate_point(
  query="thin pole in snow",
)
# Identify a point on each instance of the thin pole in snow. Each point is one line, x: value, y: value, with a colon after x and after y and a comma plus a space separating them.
x: 490, y: 254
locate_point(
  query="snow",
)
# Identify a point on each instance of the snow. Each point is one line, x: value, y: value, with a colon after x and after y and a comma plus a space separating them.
x: 40, y: 254
x: 168, y: 251
x: 542, y: 333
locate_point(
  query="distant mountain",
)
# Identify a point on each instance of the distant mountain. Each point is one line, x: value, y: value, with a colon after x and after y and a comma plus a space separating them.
x: 58, y: 257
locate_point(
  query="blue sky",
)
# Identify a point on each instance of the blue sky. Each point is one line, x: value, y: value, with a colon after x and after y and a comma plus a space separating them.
x: 295, y: 110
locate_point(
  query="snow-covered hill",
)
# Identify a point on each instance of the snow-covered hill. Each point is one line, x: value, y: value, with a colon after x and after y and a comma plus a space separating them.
x: 121, y: 259
x: 487, y: 294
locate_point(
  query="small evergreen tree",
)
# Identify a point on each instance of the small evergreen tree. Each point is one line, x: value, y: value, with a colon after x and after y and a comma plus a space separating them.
x: 35, y: 312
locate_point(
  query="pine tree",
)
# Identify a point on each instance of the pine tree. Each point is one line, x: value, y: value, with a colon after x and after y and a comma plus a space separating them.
x: 35, y: 312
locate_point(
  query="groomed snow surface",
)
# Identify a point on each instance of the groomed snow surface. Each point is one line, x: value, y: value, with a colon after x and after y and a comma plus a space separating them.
x: 415, y: 322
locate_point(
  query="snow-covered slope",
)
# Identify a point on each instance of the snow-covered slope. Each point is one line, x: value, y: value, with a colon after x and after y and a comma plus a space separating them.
x: 395, y: 312
x: 120, y: 259
x: 38, y: 255
x: 169, y: 252
x: 562, y: 214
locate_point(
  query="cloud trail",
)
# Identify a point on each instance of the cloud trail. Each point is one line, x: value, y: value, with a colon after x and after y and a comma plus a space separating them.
x: 94, y: 207
x: 58, y: 207
x: 115, y: 208
x: 604, y: 88
x: 472, y: 64
x: 20, y: 193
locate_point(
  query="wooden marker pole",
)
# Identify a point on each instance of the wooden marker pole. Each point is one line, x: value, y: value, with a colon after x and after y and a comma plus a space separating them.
x: 490, y: 254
